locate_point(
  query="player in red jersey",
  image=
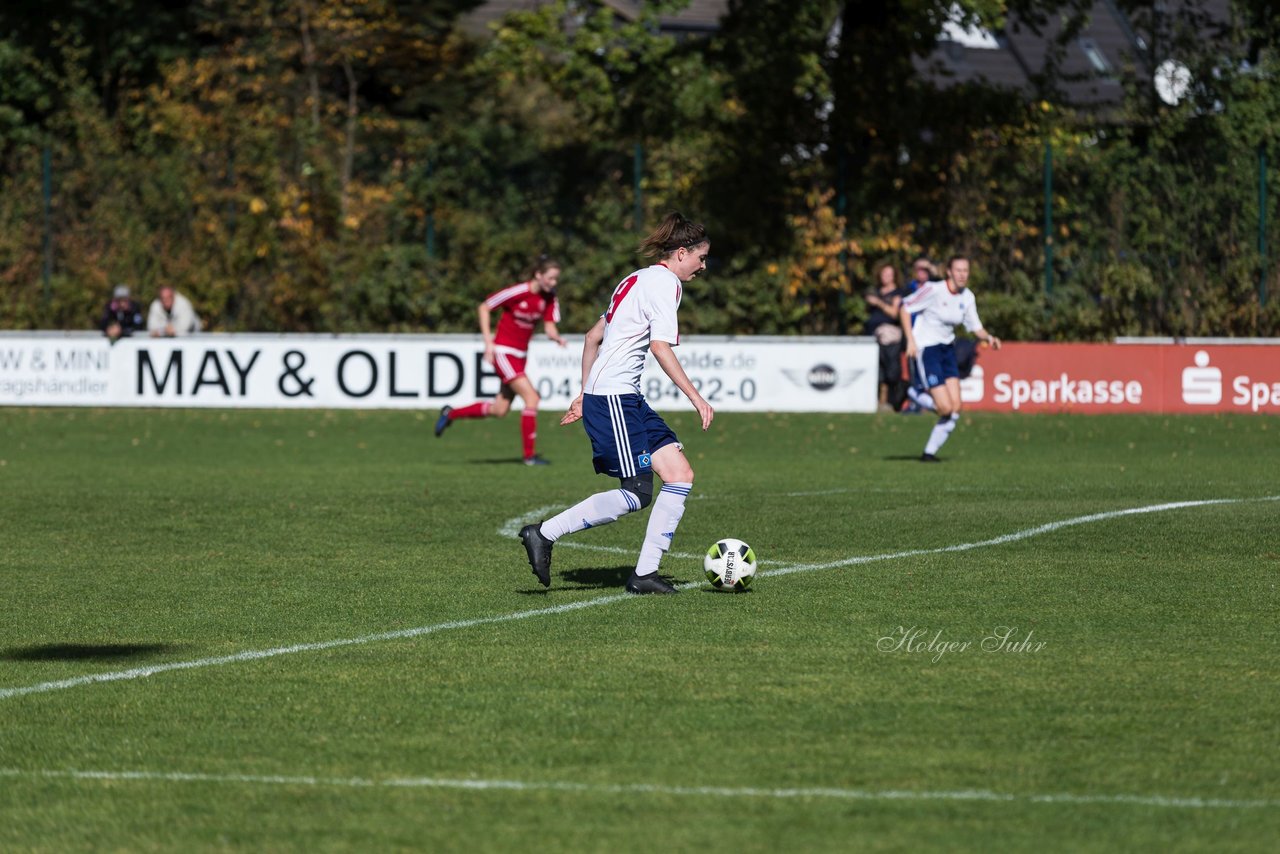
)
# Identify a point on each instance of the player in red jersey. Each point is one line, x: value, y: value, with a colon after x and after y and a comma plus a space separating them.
x: 522, y: 305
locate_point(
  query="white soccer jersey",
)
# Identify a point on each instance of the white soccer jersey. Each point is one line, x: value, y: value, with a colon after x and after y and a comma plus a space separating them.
x: 642, y: 309
x: 940, y: 312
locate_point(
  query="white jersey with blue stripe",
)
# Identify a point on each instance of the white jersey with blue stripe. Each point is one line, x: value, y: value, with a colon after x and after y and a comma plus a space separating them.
x: 936, y: 312
x: 641, y: 310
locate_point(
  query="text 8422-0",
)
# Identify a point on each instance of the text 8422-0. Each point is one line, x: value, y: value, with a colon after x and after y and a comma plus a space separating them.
x: 713, y: 389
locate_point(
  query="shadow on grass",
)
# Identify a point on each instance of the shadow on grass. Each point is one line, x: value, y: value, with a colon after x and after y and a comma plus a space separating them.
x: 496, y: 461
x: 595, y: 578
x: 83, y: 651
x: 602, y: 576
x: 915, y: 458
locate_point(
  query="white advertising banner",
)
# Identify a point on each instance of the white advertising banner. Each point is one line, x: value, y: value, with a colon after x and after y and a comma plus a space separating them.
x: 412, y: 372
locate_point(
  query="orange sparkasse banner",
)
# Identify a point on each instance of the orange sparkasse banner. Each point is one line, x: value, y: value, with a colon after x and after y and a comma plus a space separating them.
x: 1106, y: 378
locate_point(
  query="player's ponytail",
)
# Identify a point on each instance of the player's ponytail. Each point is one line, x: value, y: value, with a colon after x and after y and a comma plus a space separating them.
x: 674, y: 232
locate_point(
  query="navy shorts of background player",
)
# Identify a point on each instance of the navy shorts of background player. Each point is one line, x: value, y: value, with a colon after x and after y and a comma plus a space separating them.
x: 625, y: 432
x: 938, y: 364
x: 964, y: 355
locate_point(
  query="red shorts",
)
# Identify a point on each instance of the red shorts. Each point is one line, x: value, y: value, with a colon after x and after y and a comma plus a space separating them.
x: 509, y: 363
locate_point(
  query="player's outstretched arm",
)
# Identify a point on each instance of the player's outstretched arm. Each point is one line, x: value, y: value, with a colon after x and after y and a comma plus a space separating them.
x: 667, y: 360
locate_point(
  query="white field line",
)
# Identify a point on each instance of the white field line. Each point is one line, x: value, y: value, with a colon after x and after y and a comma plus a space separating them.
x: 253, y: 655
x: 481, y: 785
x: 1015, y: 536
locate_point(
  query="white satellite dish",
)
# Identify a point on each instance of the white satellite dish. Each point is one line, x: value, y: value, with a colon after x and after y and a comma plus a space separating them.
x: 1172, y: 80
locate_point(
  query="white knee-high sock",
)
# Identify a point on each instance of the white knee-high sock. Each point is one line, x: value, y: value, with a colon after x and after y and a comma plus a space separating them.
x: 668, y: 507
x: 941, y: 432
x: 600, y: 509
x: 922, y: 399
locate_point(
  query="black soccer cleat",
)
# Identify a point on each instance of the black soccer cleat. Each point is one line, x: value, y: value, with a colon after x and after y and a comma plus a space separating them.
x: 929, y: 458
x: 443, y: 422
x: 641, y: 584
x: 538, y: 548
x: 536, y: 460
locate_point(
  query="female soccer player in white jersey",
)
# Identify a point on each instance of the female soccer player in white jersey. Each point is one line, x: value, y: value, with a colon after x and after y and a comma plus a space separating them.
x: 629, y: 440
x: 942, y: 306
x: 523, y: 304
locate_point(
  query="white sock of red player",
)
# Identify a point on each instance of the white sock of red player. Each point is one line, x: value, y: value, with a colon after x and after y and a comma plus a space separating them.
x: 668, y: 507
x: 600, y: 509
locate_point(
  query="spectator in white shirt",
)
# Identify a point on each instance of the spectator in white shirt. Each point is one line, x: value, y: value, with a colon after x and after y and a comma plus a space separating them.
x: 172, y: 315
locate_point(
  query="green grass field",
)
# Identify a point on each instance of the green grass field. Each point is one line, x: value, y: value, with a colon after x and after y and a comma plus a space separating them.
x: 419, y: 690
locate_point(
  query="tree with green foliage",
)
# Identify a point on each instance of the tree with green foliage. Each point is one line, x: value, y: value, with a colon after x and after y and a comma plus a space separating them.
x: 326, y: 165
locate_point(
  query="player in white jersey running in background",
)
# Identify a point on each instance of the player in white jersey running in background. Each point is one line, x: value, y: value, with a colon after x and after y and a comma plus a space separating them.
x: 629, y: 440
x: 942, y: 306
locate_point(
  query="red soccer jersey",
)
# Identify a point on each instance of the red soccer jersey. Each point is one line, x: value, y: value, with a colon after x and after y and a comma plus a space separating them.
x: 522, y: 307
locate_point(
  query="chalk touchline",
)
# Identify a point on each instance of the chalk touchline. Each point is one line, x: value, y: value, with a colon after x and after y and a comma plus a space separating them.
x: 474, y: 784
x: 253, y: 655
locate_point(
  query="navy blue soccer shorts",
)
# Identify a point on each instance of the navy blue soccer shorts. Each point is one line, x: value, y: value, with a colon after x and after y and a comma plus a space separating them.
x: 934, y: 365
x: 625, y: 433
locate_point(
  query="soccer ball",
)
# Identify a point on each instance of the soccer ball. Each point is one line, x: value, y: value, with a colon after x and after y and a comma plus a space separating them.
x: 730, y: 565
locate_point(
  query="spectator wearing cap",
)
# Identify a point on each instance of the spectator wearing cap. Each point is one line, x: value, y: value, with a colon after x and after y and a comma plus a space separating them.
x: 122, y: 316
x: 922, y: 270
x: 172, y: 315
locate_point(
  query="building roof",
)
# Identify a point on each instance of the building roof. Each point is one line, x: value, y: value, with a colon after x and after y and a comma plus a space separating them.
x: 1091, y: 64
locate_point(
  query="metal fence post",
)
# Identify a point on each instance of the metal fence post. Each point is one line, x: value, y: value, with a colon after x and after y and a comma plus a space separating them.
x: 1262, y: 223
x: 637, y: 172
x: 1048, y: 217
x: 842, y: 201
x: 431, y: 219
x: 46, y: 168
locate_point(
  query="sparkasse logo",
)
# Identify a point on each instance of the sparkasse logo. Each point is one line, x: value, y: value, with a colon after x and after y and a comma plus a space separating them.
x: 1202, y: 386
x: 973, y: 387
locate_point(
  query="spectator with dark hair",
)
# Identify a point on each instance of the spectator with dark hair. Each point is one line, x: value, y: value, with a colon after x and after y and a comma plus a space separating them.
x: 883, y: 303
x: 122, y: 316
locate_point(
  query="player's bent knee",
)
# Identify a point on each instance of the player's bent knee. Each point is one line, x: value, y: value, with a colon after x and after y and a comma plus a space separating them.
x: 683, y: 474
x: 641, y: 486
